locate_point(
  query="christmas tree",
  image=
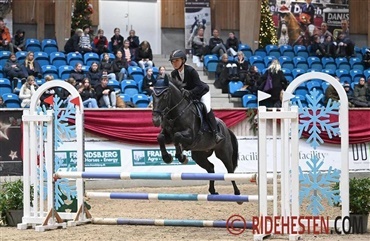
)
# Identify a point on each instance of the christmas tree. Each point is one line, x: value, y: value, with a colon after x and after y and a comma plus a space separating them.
x: 81, y: 14
x: 267, y: 28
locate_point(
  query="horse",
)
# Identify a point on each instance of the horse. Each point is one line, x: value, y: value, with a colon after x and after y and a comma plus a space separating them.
x: 181, y: 124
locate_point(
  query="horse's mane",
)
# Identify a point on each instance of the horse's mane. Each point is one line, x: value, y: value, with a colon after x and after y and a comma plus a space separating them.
x: 178, y: 84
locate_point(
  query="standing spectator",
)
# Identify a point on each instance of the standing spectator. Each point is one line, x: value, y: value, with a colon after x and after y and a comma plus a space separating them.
x: 148, y: 82
x: 87, y: 94
x: 2, y: 104
x: 77, y: 74
x: 85, y: 41
x: 31, y: 66
x: 94, y: 74
x: 361, y: 92
x: 216, y: 44
x: 331, y: 93
x: 200, y: 45
x: 345, y: 27
x: 242, y: 65
x: 101, y: 42
x: 117, y: 40
x: 329, y: 47
x: 366, y: 59
x: 134, y: 41
x: 324, y: 32
x: 5, y: 38
x: 106, y: 67
x: 120, y: 66
x: 13, y: 70
x: 279, y: 83
x: 128, y: 54
x: 72, y: 45
x: 144, y: 55
x: 19, y: 43
x: 105, y: 94
x: 232, y: 44
x: 27, y: 90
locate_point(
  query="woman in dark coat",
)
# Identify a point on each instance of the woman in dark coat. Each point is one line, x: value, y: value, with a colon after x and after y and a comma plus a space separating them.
x: 94, y: 74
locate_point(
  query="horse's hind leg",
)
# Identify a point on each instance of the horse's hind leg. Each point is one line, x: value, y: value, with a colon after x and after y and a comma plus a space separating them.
x: 226, y: 159
x: 201, y: 158
x: 181, y: 157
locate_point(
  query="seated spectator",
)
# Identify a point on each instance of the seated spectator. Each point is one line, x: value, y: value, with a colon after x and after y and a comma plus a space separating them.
x: 216, y: 44
x: 105, y: 94
x: 345, y: 28
x: 252, y: 79
x: 345, y: 47
x: 94, y: 74
x: 361, y: 94
x: 31, y: 67
x: 329, y: 47
x: 349, y: 92
x: 27, y: 90
x: 72, y: 45
x: 5, y: 38
x: 232, y: 44
x: 101, y: 42
x: 331, y: 93
x: 324, y: 32
x: 162, y: 72
x: 13, y: 70
x: 88, y: 94
x: 316, y: 47
x: 148, y: 82
x: 134, y: 41
x: 199, y: 45
x: 128, y: 54
x: 50, y: 92
x: 120, y: 66
x: 85, y: 41
x: 144, y: 55
x: 2, y: 104
x: 106, y: 67
x: 117, y: 40
x: 19, y: 41
x: 243, y: 66
x: 77, y: 74
x: 366, y: 59
x: 222, y: 74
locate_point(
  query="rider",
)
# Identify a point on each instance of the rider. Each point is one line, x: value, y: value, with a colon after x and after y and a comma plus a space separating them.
x: 194, y: 88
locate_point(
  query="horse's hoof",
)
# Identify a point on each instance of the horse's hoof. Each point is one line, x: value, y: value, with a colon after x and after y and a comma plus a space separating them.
x: 184, y: 160
x: 214, y: 193
x: 240, y: 203
x: 167, y: 158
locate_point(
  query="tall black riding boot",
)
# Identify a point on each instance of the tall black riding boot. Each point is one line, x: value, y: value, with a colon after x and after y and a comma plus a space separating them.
x: 213, y: 124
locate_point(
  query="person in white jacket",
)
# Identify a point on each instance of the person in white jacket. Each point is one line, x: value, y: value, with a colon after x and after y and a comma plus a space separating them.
x: 27, y: 90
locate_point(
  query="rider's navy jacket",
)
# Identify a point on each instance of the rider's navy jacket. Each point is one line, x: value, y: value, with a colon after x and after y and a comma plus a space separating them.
x: 192, y: 82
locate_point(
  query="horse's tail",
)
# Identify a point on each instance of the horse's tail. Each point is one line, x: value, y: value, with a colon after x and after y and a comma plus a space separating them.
x: 235, y: 155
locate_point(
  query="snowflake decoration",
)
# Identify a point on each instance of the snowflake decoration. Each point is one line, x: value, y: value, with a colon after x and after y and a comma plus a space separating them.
x: 62, y: 186
x: 315, y: 118
x: 317, y: 184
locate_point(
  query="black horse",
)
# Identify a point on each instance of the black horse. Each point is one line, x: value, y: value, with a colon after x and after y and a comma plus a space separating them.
x: 181, y: 125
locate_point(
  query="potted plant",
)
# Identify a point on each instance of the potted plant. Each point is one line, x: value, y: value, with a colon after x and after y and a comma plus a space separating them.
x: 359, y: 199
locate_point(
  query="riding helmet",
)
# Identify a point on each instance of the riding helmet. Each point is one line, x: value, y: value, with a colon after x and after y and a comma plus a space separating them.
x: 177, y: 54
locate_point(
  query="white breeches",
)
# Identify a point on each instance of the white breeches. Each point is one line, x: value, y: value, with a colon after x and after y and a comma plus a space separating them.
x: 206, y: 100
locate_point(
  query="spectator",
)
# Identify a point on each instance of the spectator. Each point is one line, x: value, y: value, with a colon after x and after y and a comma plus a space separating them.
x: 309, y: 9
x: 106, y: 67
x: 5, y: 38
x: 361, y: 94
x: 2, y: 104
x: 117, y: 40
x: 85, y: 41
x: 94, y: 74
x: 31, y: 66
x: 324, y: 32
x: 19, y: 43
x: 345, y: 27
x: 232, y: 44
x: 331, y: 93
x: 50, y: 92
x: 366, y: 59
x: 252, y: 79
x: 162, y: 72
x: 27, y: 90
x: 13, y: 70
x: 72, y: 45
x: 200, y: 45
x: 87, y: 94
x: 101, y: 42
x: 222, y: 74
x: 329, y: 47
x: 349, y: 92
x: 120, y: 66
x: 134, y: 41
x: 144, y: 55
x: 105, y: 94
x: 345, y: 47
x: 148, y: 82
x: 216, y: 44
x: 279, y: 83
x: 128, y: 54
x: 243, y: 66
x: 77, y: 74
x: 316, y: 47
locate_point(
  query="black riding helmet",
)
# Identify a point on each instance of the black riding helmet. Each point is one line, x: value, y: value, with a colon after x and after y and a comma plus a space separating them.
x: 178, y: 54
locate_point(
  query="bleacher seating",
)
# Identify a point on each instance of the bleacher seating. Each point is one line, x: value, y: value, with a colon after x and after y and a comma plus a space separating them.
x: 257, y: 61
x: 342, y: 63
x: 287, y: 50
x: 300, y: 62
x: 210, y: 63
x: 343, y: 75
x: 301, y: 51
x: 234, y: 89
x: 49, y: 46
x: 260, y: 52
x: 328, y: 63
x: 50, y: 70
x: 42, y: 58
x: 136, y: 73
x: 314, y: 63
x: 288, y: 74
x: 11, y: 100
x: 4, y: 56
x: 141, y: 100
x: 74, y: 58
x: 286, y: 62
x: 268, y: 60
x: 64, y: 71
x: 1, y: 72
x: 273, y: 50
x: 246, y: 50
x: 115, y: 84
x: 297, y: 72
x: 5, y: 86
x: 356, y: 63
x: 89, y: 58
x: 125, y: 97
x: 249, y: 101
x: 33, y: 45
x: 129, y: 87
x: 21, y: 55
x: 58, y: 59
x: 356, y: 74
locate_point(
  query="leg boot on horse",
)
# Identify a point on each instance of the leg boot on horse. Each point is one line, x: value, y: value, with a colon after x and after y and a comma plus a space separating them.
x: 213, y: 124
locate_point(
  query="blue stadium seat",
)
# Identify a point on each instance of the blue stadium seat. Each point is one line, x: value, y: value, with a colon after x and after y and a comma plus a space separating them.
x: 324, y: 86
x: 287, y: 50
x: 115, y: 84
x: 257, y: 61
x: 210, y: 62
x: 64, y: 71
x: 363, y: 50
x: 50, y: 70
x: 356, y: 74
x: 246, y: 50
x: 342, y: 63
x: 329, y: 71
x: 85, y: 68
x: 268, y: 60
x: 300, y: 62
x: 49, y: 46
x: 328, y: 63
x: 260, y: 52
x: 288, y: 74
x: 21, y: 55
x: 273, y: 50
x: 301, y: 90
x: 74, y: 58
x: 301, y: 51
x: 141, y: 100
x: 11, y: 100
x: 136, y: 73
x: 299, y: 98
x: 234, y: 87
x: 367, y: 74
x: 89, y: 58
x: 297, y: 72
x: 125, y: 97
x: 5, y: 86
x: 356, y: 63
x: 314, y: 63
x: 40, y: 82
x: 313, y: 84
x: 18, y: 87
x: 58, y: 59
x: 129, y: 87
x: 343, y: 75
x: 249, y: 101
x: 33, y: 45
x: 1, y: 72
x: 353, y: 85
x: 4, y: 56
x: 286, y: 62
x: 42, y: 58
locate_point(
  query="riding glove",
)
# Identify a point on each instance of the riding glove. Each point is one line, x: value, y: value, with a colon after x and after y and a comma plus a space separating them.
x: 186, y: 93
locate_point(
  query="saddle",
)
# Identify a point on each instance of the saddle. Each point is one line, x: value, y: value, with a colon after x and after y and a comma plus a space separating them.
x: 202, y: 114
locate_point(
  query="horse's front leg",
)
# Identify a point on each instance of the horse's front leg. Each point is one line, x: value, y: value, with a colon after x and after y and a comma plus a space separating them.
x: 181, y: 157
x: 161, y: 138
x: 179, y: 138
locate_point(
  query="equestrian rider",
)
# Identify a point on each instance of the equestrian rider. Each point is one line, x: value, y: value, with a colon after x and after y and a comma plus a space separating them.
x: 194, y: 88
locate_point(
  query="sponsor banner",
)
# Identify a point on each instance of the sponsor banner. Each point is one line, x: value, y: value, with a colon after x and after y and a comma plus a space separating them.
x: 95, y: 158
x: 153, y: 157
x: 197, y: 3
